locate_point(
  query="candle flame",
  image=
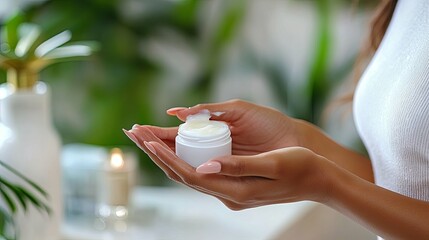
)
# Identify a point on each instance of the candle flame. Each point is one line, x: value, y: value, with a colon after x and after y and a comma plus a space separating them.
x: 116, y: 158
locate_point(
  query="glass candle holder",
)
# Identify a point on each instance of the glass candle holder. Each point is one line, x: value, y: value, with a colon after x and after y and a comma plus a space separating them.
x: 115, y: 189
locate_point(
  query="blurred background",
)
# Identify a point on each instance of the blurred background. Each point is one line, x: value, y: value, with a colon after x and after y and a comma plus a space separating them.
x: 293, y: 55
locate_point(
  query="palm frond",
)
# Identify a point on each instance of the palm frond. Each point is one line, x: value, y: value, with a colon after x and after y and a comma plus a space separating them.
x: 10, y: 203
x: 52, y: 43
x: 15, y: 195
x: 29, y: 33
x: 31, y: 183
x: 6, y: 225
x: 25, y: 51
x: 69, y: 52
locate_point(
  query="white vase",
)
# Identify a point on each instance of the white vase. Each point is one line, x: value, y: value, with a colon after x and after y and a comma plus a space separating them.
x: 30, y: 144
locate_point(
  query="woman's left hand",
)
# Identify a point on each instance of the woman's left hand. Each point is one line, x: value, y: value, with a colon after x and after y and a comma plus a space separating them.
x: 240, y: 182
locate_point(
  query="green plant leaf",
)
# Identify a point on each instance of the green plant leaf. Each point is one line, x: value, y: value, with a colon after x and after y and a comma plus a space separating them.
x: 6, y: 221
x: 25, y: 195
x: 228, y: 26
x: 53, y: 43
x: 22, y: 201
x: 36, y: 202
x: 317, y: 87
x: 186, y: 12
x: 28, y: 34
x: 34, y: 185
x: 69, y: 51
x: 225, y: 32
x: 10, y: 203
x: 17, y: 192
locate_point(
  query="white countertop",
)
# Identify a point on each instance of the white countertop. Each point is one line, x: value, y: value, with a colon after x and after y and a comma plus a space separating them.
x: 178, y: 213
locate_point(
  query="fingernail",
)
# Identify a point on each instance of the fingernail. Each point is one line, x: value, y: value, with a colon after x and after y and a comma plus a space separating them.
x: 150, y: 147
x: 135, y: 126
x: 175, y: 109
x: 209, y: 167
x: 131, y: 136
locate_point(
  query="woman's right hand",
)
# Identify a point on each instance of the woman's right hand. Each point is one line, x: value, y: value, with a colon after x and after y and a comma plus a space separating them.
x: 254, y: 129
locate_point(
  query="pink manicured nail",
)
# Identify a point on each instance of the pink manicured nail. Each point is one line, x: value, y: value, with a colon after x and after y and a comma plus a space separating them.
x: 209, y: 167
x: 131, y: 136
x: 150, y: 147
x: 175, y: 109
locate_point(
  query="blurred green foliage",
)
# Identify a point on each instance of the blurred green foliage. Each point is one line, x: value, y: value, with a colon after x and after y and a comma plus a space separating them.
x: 93, y: 100
x: 23, y: 53
x: 18, y: 198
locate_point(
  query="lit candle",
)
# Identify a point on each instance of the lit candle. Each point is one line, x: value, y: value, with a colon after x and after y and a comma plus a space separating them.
x: 116, y: 180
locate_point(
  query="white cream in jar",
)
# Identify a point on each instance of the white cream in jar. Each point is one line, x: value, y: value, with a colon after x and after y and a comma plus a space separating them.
x: 200, y: 139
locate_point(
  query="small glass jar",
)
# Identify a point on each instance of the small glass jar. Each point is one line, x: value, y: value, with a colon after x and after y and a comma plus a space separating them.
x: 200, y: 139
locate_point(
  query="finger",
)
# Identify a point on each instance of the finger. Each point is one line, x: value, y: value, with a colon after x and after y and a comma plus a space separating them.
x: 167, y: 171
x: 169, y: 133
x: 170, y: 158
x: 131, y: 136
x: 225, y: 111
x: 164, y: 136
x: 241, y: 166
x: 219, y: 185
x: 146, y: 135
x: 175, y: 110
x: 164, y: 157
x: 173, y: 176
x: 170, y: 174
x: 161, y: 156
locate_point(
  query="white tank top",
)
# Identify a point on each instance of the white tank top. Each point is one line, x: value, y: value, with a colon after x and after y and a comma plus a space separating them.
x: 391, y: 105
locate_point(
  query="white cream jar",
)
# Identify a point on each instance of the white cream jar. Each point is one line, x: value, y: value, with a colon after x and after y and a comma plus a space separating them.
x: 200, y: 139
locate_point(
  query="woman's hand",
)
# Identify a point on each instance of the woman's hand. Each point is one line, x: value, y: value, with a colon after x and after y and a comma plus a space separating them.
x: 261, y: 171
x: 268, y: 168
x: 240, y: 182
x: 254, y: 129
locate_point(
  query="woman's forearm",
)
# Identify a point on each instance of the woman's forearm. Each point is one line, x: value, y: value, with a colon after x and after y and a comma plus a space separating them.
x: 386, y: 213
x: 321, y: 144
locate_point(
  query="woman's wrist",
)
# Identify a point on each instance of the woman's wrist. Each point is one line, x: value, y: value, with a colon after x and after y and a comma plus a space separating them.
x: 334, y: 182
x: 328, y: 178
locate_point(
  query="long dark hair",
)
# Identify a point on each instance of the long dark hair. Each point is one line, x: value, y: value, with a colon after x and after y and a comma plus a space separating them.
x: 379, y: 25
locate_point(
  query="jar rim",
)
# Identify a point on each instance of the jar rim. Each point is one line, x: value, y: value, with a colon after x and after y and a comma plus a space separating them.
x: 225, y: 133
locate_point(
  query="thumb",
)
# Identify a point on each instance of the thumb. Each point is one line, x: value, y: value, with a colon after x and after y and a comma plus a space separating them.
x: 239, y: 166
